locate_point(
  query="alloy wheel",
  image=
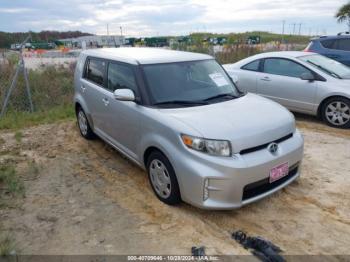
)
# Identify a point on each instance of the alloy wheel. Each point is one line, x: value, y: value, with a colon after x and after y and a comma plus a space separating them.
x: 160, y: 178
x: 83, y: 124
x: 338, y: 113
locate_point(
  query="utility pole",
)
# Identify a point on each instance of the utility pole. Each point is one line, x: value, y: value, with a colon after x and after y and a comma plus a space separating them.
x: 121, y: 31
x: 294, y: 24
x: 107, y: 30
x: 283, y: 24
x: 300, y: 28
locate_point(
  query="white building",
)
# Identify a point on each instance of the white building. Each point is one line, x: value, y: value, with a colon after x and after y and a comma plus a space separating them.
x: 94, y: 41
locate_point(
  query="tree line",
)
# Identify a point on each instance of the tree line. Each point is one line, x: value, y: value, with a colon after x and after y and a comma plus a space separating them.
x: 6, y: 38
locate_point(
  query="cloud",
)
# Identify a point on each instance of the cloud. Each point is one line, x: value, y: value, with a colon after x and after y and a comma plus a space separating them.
x: 14, y: 10
x: 167, y: 17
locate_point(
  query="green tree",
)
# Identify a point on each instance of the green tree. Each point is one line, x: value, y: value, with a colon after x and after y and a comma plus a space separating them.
x: 343, y: 14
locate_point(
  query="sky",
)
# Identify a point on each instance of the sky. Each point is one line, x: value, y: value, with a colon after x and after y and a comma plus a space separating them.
x: 171, y: 17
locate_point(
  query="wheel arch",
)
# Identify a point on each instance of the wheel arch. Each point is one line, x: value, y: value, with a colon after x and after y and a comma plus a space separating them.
x: 325, y: 100
x: 77, y: 105
x: 149, y: 150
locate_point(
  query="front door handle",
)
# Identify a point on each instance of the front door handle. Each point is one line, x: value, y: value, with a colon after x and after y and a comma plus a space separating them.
x: 105, y: 101
x: 266, y: 78
x: 83, y: 88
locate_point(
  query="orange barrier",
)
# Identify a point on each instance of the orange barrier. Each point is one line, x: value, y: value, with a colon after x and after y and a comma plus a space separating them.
x: 65, y: 50
x: 40, y: 51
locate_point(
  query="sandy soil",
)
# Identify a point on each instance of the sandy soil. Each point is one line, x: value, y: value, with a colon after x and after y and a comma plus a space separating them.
x: 88, y: 199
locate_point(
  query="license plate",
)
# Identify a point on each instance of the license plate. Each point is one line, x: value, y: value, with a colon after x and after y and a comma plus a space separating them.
x: 278, y: 172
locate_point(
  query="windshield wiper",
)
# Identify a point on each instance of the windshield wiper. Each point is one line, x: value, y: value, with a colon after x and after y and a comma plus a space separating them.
x: 230, y: 96
x: 325, y: 69
x: 182, y: 102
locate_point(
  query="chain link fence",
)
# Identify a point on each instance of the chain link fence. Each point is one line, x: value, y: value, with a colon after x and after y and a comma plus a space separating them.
x: 50, y: 79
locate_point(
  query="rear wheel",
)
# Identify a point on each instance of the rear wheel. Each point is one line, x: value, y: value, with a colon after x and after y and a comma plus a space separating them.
x: 163, y: 179
x: 336, y: 112
x: 84, y: 126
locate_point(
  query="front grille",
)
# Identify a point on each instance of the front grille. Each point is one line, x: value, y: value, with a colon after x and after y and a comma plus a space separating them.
x: 256, y: 148
x: 264, y: 185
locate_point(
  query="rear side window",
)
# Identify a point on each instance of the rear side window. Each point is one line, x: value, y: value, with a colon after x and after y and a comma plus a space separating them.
x: 329, y: 43
x: 343, y: 44
x: 95, y: 69
x: 252, y: 66
x: 284, y: 67
x: 121, y: 76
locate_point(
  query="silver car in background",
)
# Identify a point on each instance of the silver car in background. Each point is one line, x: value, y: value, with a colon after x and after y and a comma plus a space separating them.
x: 301, y: 81
x: 179, y: 116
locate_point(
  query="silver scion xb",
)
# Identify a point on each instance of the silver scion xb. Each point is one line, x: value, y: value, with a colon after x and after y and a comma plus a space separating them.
x: 179, y: 116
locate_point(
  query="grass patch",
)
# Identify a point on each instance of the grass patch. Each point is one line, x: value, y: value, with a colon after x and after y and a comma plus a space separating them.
x: 9, y: 180
x: 18, y: 120
x: 18, y: 136
x: 7, y: 245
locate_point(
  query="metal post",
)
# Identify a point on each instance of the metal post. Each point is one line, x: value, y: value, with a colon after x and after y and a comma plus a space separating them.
x: 25, y: 73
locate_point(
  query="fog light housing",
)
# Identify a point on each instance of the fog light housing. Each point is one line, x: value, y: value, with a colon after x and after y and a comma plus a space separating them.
x: 205, y: 189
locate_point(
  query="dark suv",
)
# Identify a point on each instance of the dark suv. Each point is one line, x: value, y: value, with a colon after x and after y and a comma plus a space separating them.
x: 335, y: 47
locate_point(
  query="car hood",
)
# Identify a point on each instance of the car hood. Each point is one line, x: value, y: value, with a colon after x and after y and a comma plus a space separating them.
x: 247, y: 121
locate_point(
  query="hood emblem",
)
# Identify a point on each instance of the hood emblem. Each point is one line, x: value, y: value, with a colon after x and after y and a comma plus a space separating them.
x: 273, y: 147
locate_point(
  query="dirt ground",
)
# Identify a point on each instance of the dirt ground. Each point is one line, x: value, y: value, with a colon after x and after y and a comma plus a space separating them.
x: 88, y: 199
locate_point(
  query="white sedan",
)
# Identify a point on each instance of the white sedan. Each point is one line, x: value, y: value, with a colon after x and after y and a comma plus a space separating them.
x: 301, y: 81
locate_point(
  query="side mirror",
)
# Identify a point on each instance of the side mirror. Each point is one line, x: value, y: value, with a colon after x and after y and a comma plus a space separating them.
x: 307, y: 76
x: 124, y: 95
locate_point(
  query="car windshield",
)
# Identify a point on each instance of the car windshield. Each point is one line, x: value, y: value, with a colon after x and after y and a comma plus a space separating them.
x: 327, y: 65
x: 188, y: 83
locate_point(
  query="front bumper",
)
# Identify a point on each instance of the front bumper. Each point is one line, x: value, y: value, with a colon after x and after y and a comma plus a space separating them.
x: 237, y: 180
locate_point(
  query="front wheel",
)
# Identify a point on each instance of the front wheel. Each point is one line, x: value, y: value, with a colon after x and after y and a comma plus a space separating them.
x: 163, y: 179
x: 336, y: 112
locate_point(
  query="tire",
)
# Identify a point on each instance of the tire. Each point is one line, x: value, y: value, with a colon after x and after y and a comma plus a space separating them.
x: 84, y: 126
x: 163, y: 179
x: 336, y: 112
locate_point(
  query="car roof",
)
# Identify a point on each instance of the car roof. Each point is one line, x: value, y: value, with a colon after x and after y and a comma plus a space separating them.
x: 283, y: 54
x: 286, y: 54
x: 145, y: 55
x: 341, y: 36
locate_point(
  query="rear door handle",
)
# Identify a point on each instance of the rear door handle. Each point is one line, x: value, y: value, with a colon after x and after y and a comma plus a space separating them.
x: 266, y: 78
x: 105, y: 101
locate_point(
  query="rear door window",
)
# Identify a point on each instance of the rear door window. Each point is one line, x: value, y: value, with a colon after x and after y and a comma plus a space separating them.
x: 329, y: 43
x: 252, y: 66
x: 284, y: 67
x: 343, y: 44
x: 95, y: 70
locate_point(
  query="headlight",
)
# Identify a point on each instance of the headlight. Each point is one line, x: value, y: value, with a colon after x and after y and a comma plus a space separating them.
x: 209, y: 146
